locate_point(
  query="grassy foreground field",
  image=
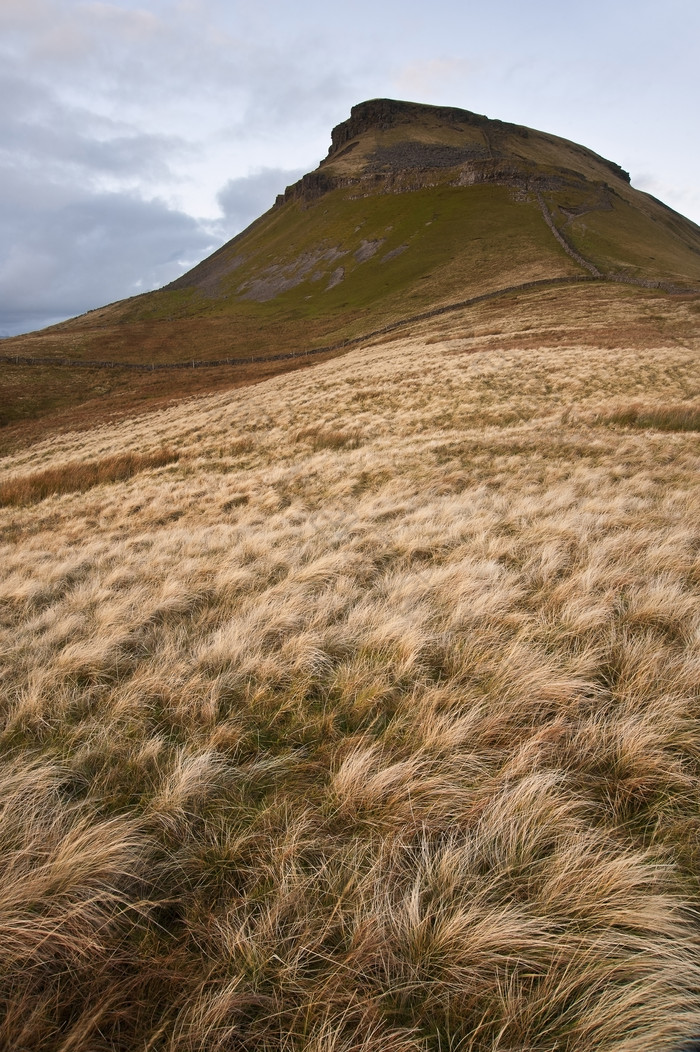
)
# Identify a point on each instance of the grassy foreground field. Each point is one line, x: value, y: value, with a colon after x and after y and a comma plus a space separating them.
x: 358, y: 710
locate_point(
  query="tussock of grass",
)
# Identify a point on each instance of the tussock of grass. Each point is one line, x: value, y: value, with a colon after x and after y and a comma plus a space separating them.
x: 659, y: 417
x: 78, y: 476
x: 390, y: 746
x: 328, y: 438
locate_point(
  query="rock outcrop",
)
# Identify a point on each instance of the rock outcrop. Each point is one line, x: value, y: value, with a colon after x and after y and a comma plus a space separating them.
x: 369, y: 148
x: 390, y: 113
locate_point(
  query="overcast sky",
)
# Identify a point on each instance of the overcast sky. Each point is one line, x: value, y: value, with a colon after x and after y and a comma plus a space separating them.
x: 136, y: 137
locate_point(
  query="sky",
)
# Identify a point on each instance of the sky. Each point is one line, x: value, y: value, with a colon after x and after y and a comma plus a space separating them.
x: 137, y: 136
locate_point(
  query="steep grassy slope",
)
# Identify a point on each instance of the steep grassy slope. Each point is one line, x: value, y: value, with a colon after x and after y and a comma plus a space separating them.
x: 399, y: 254
x: 415, y: 207
x: 364, y: 714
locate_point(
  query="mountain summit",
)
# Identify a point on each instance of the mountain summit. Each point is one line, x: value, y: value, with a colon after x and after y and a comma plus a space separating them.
x: 386, y: 138
x: 415, y: 208
x: 508, y: 204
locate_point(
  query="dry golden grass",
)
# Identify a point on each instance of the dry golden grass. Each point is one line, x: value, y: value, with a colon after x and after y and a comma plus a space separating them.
x: 371, y: 722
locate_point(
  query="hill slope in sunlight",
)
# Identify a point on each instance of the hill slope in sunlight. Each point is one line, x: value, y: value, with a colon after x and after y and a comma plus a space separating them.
x: 358, y: 710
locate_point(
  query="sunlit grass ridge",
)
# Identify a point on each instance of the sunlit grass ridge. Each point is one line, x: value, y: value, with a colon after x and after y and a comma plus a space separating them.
x: 371, y: 722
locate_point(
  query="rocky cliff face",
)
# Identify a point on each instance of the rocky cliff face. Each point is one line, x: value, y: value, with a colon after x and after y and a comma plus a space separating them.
x: 382, y: 114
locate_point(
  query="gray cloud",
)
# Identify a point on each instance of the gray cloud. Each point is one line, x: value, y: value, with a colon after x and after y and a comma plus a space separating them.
x: 40, y: 130
x: 108, y: 115
x: 243, y: 200
x: 65, y: 258
x: 64, y: 250
x: 75, y: 229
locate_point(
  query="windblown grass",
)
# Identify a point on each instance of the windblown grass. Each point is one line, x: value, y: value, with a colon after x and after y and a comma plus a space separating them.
x: 661, y: 417
x: 386, y: 743
x: 76, y: 476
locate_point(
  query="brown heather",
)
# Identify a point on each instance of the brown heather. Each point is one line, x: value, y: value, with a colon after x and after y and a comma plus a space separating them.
x: 370, y: 723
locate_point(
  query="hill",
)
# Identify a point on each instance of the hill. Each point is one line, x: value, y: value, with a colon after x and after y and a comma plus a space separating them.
x: 357, y: 711
x: 415, y: 208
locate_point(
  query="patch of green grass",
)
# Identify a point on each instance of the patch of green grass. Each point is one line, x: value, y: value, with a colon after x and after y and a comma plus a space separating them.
x: 459, y: 241
x: 454, y: 242
x: 623, y: 239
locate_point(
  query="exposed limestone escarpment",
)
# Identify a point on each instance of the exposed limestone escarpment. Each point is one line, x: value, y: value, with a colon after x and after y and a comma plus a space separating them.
x: 390, y: 113
x: 309, y: 187
x: 387, y: 172
x: 387, y: 145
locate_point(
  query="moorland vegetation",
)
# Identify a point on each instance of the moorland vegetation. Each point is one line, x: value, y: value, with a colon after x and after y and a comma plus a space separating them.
x: 357, y: 711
